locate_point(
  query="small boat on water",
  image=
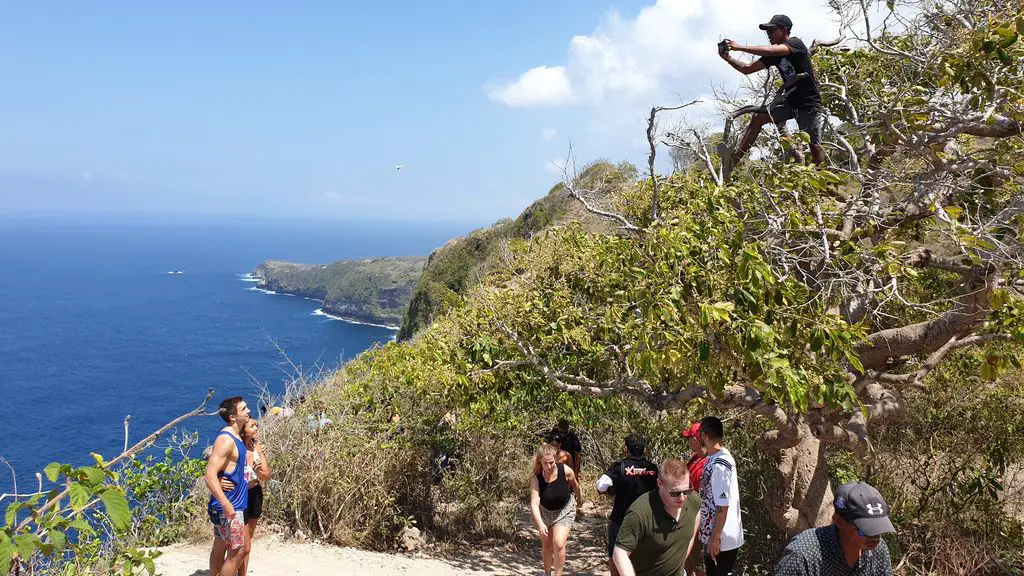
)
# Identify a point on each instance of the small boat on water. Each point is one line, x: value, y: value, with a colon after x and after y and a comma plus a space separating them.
x: 175, y: 272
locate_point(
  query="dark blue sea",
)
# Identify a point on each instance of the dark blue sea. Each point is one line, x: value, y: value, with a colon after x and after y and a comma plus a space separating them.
x: 93, y: 328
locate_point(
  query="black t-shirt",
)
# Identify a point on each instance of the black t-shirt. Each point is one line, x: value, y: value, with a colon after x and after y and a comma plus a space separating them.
x: 570, y: 441
x: 631, y: 477
x: 796, y: 62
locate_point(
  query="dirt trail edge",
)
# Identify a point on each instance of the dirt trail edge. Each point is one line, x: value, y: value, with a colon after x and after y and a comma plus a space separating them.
x: 273, y: 555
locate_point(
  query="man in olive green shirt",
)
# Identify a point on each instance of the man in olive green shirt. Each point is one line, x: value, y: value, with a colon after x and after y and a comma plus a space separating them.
x: 659, y: 528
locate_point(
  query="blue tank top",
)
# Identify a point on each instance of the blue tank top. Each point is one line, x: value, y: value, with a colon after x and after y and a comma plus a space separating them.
x: 239, y: 496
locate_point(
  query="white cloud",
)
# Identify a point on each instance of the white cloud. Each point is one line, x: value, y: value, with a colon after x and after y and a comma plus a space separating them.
x: 664, y: 53
x: 549, y: 133
x: 540, y: 86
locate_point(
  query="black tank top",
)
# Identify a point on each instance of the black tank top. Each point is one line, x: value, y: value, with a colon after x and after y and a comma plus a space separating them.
x: 554, y: 496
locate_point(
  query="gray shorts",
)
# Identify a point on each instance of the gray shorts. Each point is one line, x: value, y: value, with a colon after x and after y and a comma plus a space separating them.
x: 566, y: 516
x: 808, y: 119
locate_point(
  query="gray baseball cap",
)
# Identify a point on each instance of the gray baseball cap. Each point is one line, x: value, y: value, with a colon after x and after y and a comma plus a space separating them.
x: 864, y: 507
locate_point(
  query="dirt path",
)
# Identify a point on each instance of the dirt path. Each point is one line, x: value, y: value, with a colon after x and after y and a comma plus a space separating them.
x: 274, y: 555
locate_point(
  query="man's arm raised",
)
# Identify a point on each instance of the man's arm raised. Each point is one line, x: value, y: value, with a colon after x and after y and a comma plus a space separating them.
x: 222, y: 448
x: 745, y: 68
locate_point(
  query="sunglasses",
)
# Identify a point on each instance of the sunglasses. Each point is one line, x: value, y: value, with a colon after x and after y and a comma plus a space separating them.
x: 678, y: 493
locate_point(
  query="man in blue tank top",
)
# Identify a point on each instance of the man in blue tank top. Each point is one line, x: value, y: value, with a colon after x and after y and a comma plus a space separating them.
x: 227, y: 510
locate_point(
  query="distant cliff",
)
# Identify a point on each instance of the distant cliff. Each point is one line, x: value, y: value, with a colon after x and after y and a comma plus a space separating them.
x: 376, y: 290
x: 462, y: 262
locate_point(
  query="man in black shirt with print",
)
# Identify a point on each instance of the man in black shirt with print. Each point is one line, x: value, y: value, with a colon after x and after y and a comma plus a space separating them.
x: 627, y: 479
x: 790, y: 55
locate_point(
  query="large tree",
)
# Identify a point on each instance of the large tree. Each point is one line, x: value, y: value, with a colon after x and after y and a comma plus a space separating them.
x: 817, y: 297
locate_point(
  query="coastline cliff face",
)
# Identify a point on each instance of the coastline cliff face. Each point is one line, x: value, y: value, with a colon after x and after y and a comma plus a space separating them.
x: 375, y: 291
x: 462, y: 262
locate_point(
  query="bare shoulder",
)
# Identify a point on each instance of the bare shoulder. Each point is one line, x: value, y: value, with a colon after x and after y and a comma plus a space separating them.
x: 570, y: 474
x: 224, y: 444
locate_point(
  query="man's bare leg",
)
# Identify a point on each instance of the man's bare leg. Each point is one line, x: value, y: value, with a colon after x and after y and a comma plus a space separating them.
x: 757, y: 121
x: 217, y: 557
x: 232, y: 562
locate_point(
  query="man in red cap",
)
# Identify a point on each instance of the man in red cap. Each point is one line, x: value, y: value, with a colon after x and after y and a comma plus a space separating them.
x: 695, y: 561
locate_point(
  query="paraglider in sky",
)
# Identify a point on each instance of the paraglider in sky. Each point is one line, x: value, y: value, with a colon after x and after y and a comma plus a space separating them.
x: 398, y: 167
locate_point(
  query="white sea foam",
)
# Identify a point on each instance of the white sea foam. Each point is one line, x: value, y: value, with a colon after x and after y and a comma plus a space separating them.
x: 258, y: 289
x: 320, y: 312
x: 248, y: 278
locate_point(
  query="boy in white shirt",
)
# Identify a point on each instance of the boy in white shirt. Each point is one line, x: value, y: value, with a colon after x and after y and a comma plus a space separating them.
x: 721, y: 529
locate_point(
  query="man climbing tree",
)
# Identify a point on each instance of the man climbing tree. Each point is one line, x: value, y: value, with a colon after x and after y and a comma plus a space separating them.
x: 790, y: 55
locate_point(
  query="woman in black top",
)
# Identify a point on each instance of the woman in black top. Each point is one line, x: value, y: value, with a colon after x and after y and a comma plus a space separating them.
x: 553, y: 505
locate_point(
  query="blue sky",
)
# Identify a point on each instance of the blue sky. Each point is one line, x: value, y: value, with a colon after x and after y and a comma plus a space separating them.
x: 302, y: 109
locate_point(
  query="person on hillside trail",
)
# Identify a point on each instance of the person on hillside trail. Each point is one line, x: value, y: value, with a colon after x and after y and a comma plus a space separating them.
x: 569, y: 442
x: 695, y: 464
x: 790, y: 55
x: 721, y: 526
x: 227, y: 509
x: 852, y: 544
x: 660, y: 527
x: 627, y: 480
x: 257, y: 471
x: 554, y: 497
x: 555, y: 438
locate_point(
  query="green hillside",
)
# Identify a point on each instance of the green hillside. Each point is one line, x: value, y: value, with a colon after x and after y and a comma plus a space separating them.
x: 463, y: 262
x: 376, y: 290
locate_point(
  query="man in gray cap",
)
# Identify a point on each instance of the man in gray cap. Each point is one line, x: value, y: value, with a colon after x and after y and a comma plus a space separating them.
x: 792, y: 57
x: 852, y: 544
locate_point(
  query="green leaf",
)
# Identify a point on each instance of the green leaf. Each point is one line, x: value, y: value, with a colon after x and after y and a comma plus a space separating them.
x: 1020, y: 25
x: 52, y: 471
x: 817, y: 340
x: 6, y: 553
x: 1009, y: 41
x: 1003, y: 56
x: 26, y: 545
x: 58, y: 540
x: 98, y: 458
x: 705, y: 351
x: 94, y: 474
x: 79, y: 496
x: 117, y: 508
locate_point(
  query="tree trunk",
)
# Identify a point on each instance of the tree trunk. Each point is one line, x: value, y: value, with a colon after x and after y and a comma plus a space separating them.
x: 802, y: 497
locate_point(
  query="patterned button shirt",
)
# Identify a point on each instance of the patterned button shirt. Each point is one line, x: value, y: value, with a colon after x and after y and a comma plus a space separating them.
x: 817, y: 552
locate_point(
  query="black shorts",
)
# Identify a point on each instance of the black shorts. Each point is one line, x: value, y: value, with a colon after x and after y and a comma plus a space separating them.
x: 613, y: 534
x: 808, y: 119
x: 255, y: 509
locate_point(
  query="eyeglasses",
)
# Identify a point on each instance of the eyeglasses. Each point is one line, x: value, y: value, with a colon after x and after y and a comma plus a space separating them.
x: 678, y: 493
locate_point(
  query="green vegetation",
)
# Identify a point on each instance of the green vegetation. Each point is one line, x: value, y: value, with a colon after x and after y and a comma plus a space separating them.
x: 374, y: 290
x: 850, y: 321
x: 857, y: 320
x: 100, y: 519
x: 461, y: 263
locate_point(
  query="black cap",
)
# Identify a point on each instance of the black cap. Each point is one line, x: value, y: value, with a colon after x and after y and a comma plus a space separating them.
x: 635, y: 445
x: 777, y: 21
x: 864, y: 507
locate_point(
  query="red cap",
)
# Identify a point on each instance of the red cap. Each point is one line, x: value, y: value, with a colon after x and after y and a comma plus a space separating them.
x: 691, y: 432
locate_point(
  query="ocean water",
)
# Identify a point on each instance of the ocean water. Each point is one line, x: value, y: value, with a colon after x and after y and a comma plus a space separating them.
x: 93, y: 328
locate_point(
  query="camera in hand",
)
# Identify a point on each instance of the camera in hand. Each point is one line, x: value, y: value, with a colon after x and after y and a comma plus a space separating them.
x: 723, y: 47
